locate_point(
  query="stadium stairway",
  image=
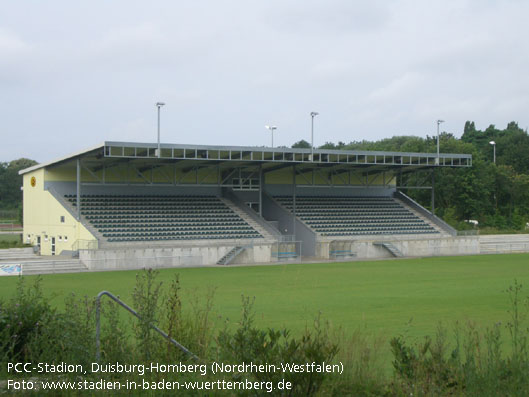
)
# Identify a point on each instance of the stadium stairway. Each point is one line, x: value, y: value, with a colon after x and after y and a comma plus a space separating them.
x: 14, y: 254
x: 51, y: 266
x: 390, y: 247
x: 248, y: 219
x: 442, y: 232
x: 230, y: 256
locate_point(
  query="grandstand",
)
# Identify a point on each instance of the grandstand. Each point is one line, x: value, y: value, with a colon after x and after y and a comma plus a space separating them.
x: 126, y: 205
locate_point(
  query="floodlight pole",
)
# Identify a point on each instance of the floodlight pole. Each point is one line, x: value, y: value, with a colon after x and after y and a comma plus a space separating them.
x: 294, y: 203
x: 494, y: 153
x: 271, y: 128
x: 78, y: 187
x: 312, y: 115
x: 159, y: 105
x: 493, y: 143
x: 438, y: 123
x: 433, y: 191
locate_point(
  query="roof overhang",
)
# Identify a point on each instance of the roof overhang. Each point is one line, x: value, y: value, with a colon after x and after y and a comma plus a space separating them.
x: 61, y: 160
x: 267, y: 156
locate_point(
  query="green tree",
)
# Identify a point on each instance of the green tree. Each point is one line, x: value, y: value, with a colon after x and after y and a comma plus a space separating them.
x: 11, y: 182
x: 303, y: 144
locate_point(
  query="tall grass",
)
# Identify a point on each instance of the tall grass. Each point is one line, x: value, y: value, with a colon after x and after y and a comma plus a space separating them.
x: 461, y: 359
x: 12, y: 241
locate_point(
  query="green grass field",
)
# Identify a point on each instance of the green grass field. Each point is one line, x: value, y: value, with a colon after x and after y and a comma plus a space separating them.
x: 378, y: 296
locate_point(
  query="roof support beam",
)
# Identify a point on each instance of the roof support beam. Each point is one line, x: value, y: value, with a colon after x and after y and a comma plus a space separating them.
x: 78, y: 197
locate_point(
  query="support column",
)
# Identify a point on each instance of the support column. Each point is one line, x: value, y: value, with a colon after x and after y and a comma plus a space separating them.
x: 294, y: 200
x: 78, y: 189
x: 433, y: 191
x: 261, y: 186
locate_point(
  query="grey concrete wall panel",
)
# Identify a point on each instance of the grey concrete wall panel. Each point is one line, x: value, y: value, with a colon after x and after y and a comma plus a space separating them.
x: 272, y: 211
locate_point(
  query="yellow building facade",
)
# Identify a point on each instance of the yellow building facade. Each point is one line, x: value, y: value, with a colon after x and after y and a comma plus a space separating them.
x: 48, y: 225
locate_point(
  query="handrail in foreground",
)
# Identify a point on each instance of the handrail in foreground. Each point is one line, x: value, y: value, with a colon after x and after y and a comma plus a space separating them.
x: 132, y: 311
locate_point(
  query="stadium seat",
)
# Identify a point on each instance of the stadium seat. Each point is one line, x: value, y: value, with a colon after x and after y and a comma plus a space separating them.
x: 355, y: 216
x: 121, y: 218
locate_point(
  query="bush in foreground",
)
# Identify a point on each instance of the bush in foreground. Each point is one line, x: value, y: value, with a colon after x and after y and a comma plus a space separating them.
x: 470, y: 362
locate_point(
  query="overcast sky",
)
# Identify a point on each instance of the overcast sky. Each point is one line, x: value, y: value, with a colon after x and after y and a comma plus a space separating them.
x: 76, y: 73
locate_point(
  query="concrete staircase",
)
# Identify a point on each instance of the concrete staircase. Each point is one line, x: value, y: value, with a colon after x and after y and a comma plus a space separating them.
x: 34, y: 264
x: 254, y: 224
x: 230, y: 256
x: 390, y: 247
x: 444, y: 228
x: 15, y: 254
x: 51, y: 266
x: 503, y: 243
x: 442, y: 232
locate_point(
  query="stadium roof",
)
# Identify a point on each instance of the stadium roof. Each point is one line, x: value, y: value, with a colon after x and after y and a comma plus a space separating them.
x: 267, y: 156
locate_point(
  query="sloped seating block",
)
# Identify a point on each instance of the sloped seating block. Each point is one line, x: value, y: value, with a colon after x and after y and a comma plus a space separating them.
x: 355, y: 216
x: 122, y: 218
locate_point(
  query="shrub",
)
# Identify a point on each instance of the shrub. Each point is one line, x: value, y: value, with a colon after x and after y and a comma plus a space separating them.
x: 261, y: 347
x: 22, y: 319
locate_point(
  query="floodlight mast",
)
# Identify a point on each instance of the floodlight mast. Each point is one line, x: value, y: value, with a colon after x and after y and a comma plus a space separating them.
x: 312, y: 115
x: 271, y: 128
x: 438, y: 123
x: 493, y: 143
x: 159, y: 105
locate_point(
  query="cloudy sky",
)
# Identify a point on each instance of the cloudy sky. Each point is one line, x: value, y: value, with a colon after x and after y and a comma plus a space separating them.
x: 74, y: 74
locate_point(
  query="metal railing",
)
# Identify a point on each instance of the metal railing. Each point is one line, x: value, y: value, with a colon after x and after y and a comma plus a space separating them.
x: 285, y: 250
x: 134, y: 313
x: 85, y: 245
x: 473, y: 232
x: 503, y: 247
x: 284, y: 238
x: 341, y: 249
x: 426, y: 213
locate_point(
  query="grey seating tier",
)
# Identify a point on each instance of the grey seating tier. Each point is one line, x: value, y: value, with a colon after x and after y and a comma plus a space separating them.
x: 123, y: 218
x: 355, y: 216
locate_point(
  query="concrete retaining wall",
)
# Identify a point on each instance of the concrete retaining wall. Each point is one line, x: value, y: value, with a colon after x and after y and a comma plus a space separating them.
x: 448, y: 246
x: 159, y: 257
